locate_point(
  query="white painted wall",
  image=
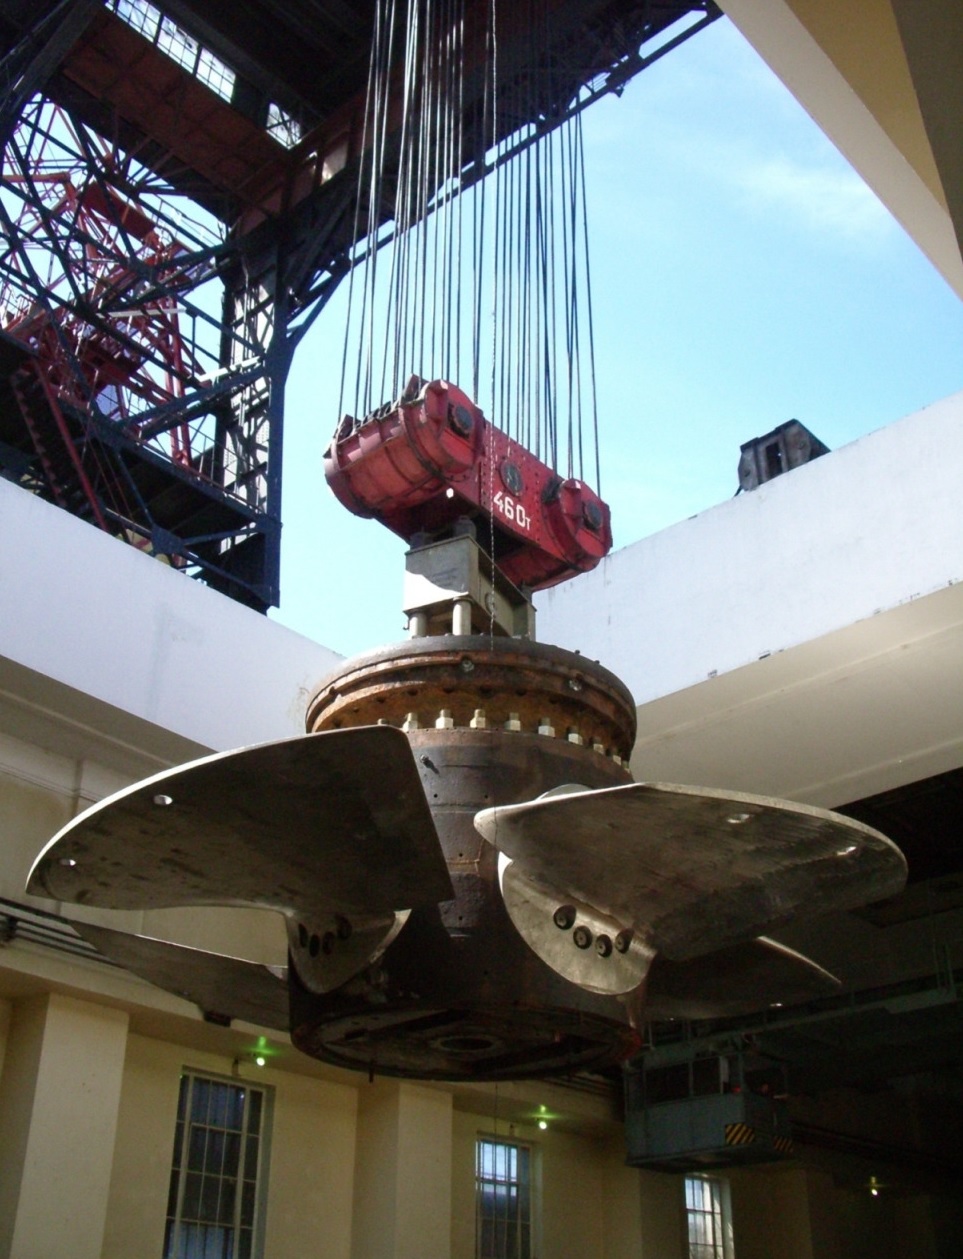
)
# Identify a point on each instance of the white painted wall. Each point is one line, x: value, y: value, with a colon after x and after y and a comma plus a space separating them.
x: 864, y: 530
x: 93, y: 614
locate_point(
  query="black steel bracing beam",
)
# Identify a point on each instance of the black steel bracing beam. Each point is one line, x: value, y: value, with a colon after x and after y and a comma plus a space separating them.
x: 26, y: 68
x: 309, y: 56
x: 320, y: 227
x: 104, y: 286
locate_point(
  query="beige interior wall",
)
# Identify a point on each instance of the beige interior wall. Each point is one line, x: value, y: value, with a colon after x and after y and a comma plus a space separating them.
x: 862, y: 40
x: 310, y: 1183
x: 312, y: 1167
x: 403, y: 1171
x: 885, y: 1227
x: 376, y: 1207
x: 770, y: 1213
x: 572, y: 1176
x: 59, y: 1104
x: 663, y: 1216
x: 587, y: 1202
x: 822, y: 1215
x: 932, y: 34
x: 29, y: 815
x: 622, y: 1223
x: 424, y: 1169
x: 6, y: 1010
x: 143, y: 1149
x: 464, y: 1131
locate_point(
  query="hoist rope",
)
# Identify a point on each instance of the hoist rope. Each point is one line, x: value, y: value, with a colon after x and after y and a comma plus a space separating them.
x: 501, y: 278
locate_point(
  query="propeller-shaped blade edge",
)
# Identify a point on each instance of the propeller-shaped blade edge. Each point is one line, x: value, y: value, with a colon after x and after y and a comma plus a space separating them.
x: 694, y: 870
x: 222, y: 986
x: 326, y: 824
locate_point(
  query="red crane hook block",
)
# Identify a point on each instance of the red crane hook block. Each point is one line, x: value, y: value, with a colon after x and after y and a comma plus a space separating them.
x: 430, y: 459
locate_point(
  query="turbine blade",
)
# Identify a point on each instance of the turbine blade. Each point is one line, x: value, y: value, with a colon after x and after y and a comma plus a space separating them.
x: 225, y: 987
x: 580, y: 944
x: 332, y: 823
x: 694, y: 870
x: 741, y: 979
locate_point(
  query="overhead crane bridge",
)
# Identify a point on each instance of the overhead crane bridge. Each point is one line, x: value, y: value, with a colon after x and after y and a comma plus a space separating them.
x: 179, y: 202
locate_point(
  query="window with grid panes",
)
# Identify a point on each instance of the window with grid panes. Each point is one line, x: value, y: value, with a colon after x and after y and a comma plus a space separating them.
x: 214, y: 1208
x: 707, y: 1215
x: 503, y: 1200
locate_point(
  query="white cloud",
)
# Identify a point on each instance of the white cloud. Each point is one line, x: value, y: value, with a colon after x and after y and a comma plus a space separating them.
x: 828, y: 199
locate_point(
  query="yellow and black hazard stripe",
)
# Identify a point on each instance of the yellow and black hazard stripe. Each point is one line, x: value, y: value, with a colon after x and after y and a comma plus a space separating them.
x: 783, y: 1144
x: 739, y: 1134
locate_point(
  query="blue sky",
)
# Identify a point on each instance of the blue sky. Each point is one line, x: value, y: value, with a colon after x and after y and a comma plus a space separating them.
x: 743, y: 275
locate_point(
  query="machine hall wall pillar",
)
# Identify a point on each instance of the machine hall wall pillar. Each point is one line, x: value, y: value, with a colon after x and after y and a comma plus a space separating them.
x: 784, y: 1209
x: 59, y: 1097
x: 403, y: 1172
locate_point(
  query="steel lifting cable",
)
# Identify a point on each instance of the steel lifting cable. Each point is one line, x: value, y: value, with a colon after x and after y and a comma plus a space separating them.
x: 459, y: 164
x: 454, y: 59
x: 355, y: 230
x: 367, y: 192
x: 409, y: 185
x: 525, y: 255
x: 405, y: 217
x: 571, y: 307
x: 479, y: 202
x: 433, y: 223
x: 373, y: 191
x: 493, y: 87
x: 593, y: 392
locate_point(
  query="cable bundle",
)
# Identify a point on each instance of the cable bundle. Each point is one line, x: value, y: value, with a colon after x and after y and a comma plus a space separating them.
x: 472, y: 164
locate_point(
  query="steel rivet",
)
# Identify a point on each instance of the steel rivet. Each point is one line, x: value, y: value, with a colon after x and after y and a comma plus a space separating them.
x: 603, y: 946
x: 623, y: 941
x: 163, y: 801
x: 564, y: 916
x: 582, y: 937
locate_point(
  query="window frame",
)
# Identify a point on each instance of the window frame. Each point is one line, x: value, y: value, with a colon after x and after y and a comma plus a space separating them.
x: 525, y: 1241
x: 720, y: 1246
x: 177, y: 1245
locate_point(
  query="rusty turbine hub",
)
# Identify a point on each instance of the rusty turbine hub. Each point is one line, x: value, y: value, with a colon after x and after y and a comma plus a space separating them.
x: 458, y: 994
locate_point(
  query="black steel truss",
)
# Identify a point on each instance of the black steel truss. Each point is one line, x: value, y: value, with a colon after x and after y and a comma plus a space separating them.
x: 150, y: 312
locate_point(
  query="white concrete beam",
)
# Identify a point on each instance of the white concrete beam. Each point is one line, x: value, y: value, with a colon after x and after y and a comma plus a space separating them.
x: 804, y: 639
x: 802, y: 56
x: 120, y: 644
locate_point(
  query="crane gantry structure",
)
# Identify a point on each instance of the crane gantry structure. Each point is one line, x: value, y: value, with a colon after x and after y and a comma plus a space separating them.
x: 180, y: 199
